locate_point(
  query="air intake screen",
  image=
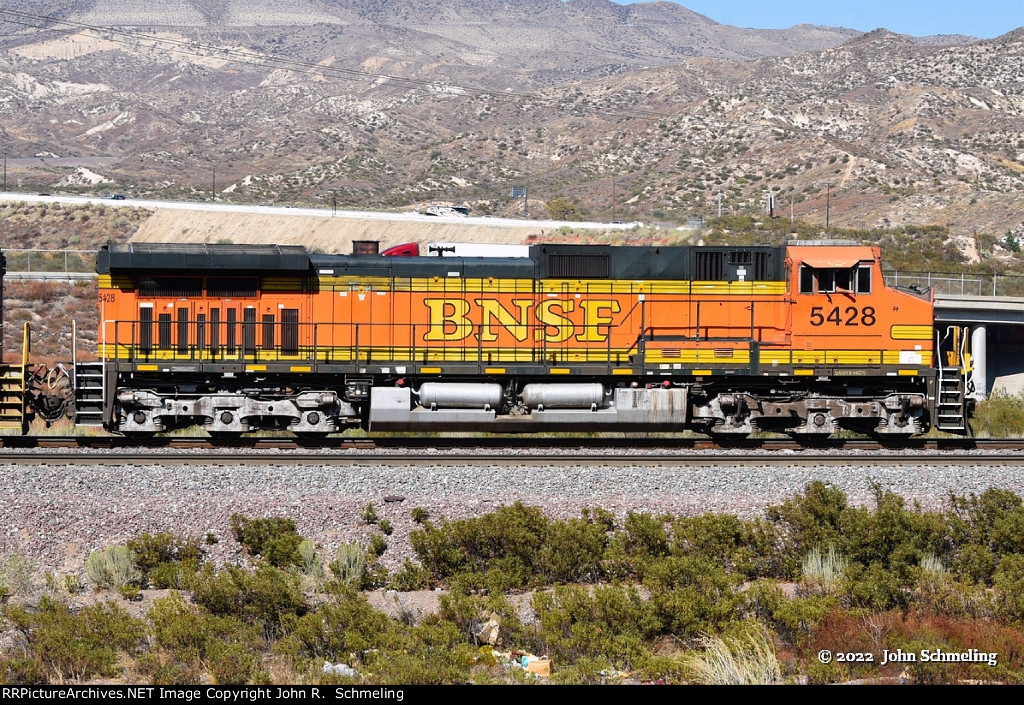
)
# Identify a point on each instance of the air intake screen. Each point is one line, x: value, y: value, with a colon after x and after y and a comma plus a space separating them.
x: 707, y: 266
x: 578, y: 266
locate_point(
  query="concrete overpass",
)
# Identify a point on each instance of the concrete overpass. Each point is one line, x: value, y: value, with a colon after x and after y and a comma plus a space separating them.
x: 997, y: 337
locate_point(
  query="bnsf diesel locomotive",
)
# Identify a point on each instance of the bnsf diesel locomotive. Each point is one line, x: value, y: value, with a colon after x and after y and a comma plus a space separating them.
x: 804, y: 339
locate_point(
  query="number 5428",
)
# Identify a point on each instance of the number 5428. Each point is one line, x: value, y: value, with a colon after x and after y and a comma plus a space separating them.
x: 839, y: 316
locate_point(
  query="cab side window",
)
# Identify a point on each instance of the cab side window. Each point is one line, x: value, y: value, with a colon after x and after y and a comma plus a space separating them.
x: 806, y: 279
x: 856, y: 279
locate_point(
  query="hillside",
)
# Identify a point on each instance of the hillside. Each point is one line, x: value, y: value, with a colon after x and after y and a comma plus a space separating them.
x: 396, y: 105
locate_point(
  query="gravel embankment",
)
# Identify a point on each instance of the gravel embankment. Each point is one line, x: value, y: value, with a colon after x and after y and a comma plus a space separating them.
x: 56, y: 513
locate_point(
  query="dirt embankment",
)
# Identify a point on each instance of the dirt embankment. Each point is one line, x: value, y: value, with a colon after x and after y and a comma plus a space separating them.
x: 333, y: 235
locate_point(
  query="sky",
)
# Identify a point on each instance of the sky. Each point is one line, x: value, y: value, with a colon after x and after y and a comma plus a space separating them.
x: 984, y: 19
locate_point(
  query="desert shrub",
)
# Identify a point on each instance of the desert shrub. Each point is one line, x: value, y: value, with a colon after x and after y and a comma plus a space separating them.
x: 994, y: 519
x: 113, y: 567
x: 513, y: 532
x: 821, y: 570
x: 892, y: 534
x: 311, y: 565
x: 349, y: 565
x: 999, y: 416
x: 873, y: 587
x: 153, y: 549
x: 76, y: 645
x: 792, y: 619
x: 369, y: 514
x: 274, y: 538
x: 811, y: 518
x: 975, y: 564
x: 745, y: 658
x: 748, y: 547
x: 344, y: 625
x: 378, y: 545
x: 433, y: 653
x: 1009, y: 587
x: 18, y: 669
x: 411, y: 577
x: 192, y: 640
x: 519, y: 541
x: 571, y: 552
x: 692, y: 595
x: 386, y: 527
x: 419, y: 515
x: 265, y: 597
x: 166, y: 560
x: 604, y: 622
x: 646, y: 535
x: 16, y: 576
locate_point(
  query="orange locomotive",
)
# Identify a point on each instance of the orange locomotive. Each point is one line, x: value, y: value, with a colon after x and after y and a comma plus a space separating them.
x: 804, y: 339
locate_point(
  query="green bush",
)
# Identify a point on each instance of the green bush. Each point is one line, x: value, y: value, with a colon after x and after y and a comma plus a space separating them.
x: 747, y: 547
x: 1009, y: 588
x: 266, y: 597
x: 350, y: 565
x: 192, y: 641
x: 792, y: 619
x: 692, y: 595
x: 611, y: 623
x: 518, y: 541
x: 999, y: 416
x: 16, y: 576
x: 75, y: 646
x: 274, y: 538
x: 994, y: 519
x: 153, y: 551
x: 811, y: 518
x: 344, y: 625
x: 873, y: 587
x: 378, y: 545
x: 411, y: 577
x: 113, y: 567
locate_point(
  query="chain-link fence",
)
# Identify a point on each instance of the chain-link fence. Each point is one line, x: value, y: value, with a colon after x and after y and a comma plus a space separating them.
x: 51, y: 261
x: 963, y: 284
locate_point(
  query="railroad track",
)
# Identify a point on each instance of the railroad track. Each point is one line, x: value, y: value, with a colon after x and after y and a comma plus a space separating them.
x: 496, y: 449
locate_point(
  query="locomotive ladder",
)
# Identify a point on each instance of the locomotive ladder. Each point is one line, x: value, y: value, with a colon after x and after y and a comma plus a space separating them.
x: 12, y: 391
x: 89, y: 389
x: 951, y: 406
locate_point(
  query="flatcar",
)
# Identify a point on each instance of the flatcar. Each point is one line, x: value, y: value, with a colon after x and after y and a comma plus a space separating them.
x: 805, y: 339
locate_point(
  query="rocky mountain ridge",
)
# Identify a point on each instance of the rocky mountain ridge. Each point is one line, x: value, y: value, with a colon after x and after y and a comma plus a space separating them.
x: 877, y: 130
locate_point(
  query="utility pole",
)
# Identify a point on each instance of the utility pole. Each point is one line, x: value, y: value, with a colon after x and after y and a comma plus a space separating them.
x: 5, y: 173
x: 719, y: 204
x: 214, y: 193
x: 828, y: 204
x: 613, y: 199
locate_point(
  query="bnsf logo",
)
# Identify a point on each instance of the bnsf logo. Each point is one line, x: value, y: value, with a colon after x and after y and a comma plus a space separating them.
x: 552, y: 321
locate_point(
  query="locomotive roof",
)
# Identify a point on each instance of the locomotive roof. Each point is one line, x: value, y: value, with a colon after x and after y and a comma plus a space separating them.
x: 201, y: 256
x: 556, y: 261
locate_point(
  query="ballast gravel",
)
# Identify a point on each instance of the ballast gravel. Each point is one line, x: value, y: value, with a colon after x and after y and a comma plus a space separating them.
x: 55, y: 513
